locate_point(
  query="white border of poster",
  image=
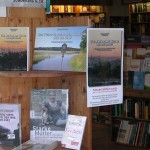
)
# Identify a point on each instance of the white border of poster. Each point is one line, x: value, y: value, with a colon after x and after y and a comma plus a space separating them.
x: 104, y: 72
x: 23, y: 3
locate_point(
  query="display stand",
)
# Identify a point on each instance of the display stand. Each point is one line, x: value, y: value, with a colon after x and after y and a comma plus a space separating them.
x: 15, y: 86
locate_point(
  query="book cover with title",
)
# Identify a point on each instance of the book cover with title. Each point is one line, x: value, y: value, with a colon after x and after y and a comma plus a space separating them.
x: 10, y: 125
x: 63, y: 46
x: 48, y: 114
x: 74, y: 130
x: 14, y: 48
x: 104, y: 66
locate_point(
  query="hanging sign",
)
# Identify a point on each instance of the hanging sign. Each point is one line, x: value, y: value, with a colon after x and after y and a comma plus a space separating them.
x: 104, y: 66
x: 23, y: 3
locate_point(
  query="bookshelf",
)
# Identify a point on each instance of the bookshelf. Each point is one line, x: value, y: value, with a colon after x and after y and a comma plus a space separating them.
x: 139, y: 18
x: 131, y: 120
x: 96, y: 13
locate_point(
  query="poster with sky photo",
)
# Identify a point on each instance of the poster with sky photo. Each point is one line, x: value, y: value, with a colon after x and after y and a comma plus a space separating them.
x: 104, y: 66
x: 60, y: 49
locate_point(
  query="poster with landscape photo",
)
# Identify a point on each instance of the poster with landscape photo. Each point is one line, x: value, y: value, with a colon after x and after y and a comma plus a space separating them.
x: 104, y: 66
x: 60, y: 49
x: 14, y: 49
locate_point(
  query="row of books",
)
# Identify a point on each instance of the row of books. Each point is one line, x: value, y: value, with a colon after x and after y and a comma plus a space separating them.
x: 134, y: 108
x: 136, y: 80
x: 75, y: 9
x: 136, y: 59
x: 133, y: 133
x: 50, y: 122
x: 140, y: 7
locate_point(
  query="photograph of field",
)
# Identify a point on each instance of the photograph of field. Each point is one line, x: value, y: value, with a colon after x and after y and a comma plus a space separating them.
x: 60, y: 49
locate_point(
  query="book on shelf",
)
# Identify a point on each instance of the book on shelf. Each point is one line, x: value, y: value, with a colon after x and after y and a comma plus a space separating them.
x: 128, y: 132
x: 139, y: 136
x: 10, y: 125
x: 146, y: 137
x: 37, y: 145
x: 140, y: 53
x: 14, y: 49
x: 128, y: 79
x: 122, y: 133
x: 129, y: 107
x: 135, y: 64
x: 48, y: 114
x: 63, y: 46
x: 133, y: 134
x: 85, y: 8
x: 74, y: 130
x: 147, y: 80
x: 115, y: 128
x: 138, y: 80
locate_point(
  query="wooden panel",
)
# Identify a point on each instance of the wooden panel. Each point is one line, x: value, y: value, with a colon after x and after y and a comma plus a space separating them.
x: 26, y: 12
x: 17, y: 90
x: 15, y: 86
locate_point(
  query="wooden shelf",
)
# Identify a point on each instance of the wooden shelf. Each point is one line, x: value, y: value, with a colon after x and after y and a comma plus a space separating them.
x: 139, y: 22
x: 62, y: 13
x: 130, y: 118
x: 137, y: 93
x: 41, y: 74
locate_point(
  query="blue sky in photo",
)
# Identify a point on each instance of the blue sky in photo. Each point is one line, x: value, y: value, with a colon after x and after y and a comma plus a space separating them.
x: 56, y: 36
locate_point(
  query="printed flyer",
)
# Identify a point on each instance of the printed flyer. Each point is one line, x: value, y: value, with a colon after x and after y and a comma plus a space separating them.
x: 104, y: 66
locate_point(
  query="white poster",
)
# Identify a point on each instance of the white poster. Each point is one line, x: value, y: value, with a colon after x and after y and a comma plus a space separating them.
x: 104, y: 66
x: 3, y: 12
x: 23, y: 3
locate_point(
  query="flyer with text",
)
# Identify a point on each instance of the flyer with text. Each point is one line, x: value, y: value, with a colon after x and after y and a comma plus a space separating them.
x: 104, y: 66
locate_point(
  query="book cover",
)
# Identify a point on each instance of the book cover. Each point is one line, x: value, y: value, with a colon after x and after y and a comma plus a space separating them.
x: 138, y: 80
x: 74, y: 130
x: 48, y: 114
x: 126, y: 63
x: 14, y: 49
x: 146, y: 136
x: 129, y: 81
x: 37, y: 145
x: 133, y: 134
x: 10, y: 125
x: 104, y: 72
x: 137, y: 109
x: 122, y: 131
x: 115, y: 128
x: 140, y: 53
x: 63, y: 46
x: 135, y: 65
x: 127, y: 135
x: 147, y: 80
